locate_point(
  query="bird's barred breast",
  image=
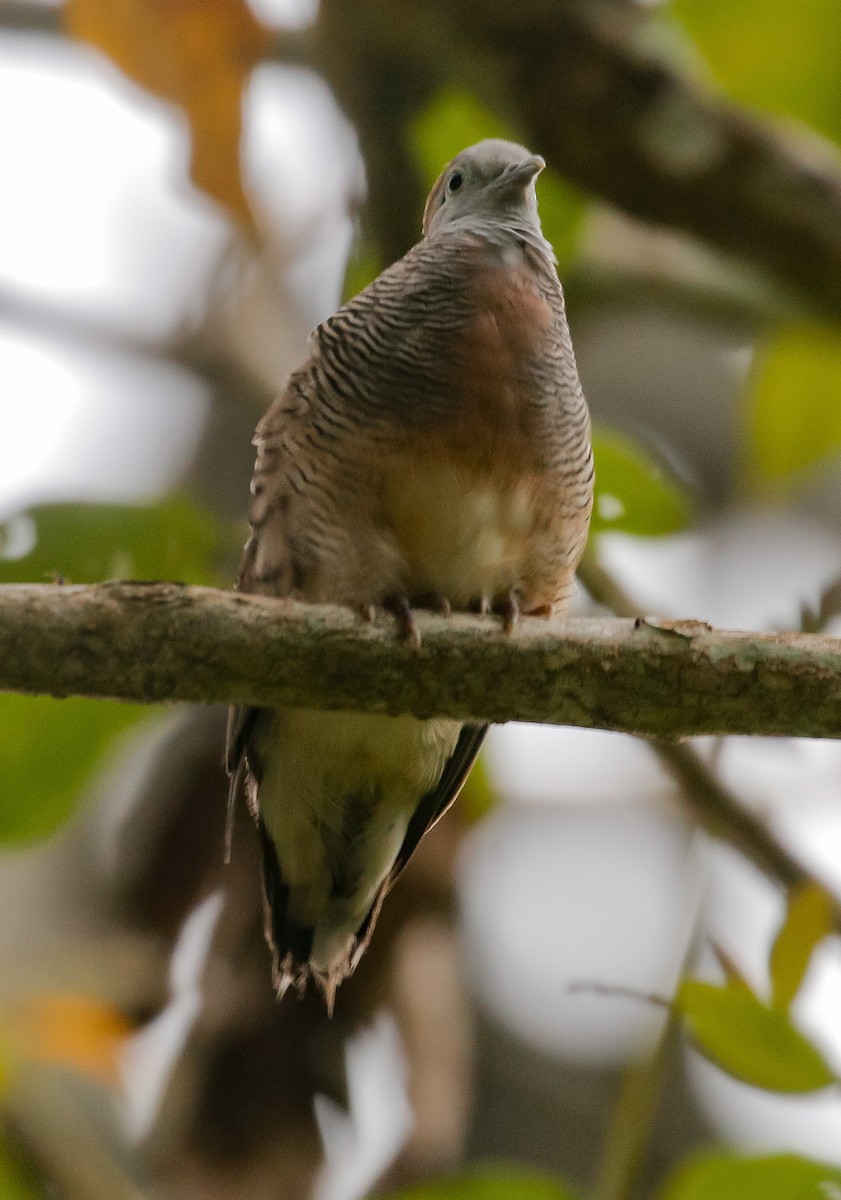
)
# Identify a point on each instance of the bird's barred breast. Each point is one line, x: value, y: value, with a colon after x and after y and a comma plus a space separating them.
x: 497, y: 495
x: 484, y: 487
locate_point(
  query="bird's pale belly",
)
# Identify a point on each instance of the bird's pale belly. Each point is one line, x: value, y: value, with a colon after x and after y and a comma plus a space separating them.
x: 458, y: 534
x: 337, y: 795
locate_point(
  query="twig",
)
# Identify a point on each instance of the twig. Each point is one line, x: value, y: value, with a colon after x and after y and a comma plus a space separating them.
x: 635, y: 1113
x: 634, y: 1116
x: 828, y: 609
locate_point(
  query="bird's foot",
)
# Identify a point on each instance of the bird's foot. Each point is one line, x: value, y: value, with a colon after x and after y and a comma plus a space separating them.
x: 401, y: 609
x: 433, y: 602
x: 507, y: 606
x: 546, y: 611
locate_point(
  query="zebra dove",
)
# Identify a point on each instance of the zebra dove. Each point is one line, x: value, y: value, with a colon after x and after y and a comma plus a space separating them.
x: 433, y: 450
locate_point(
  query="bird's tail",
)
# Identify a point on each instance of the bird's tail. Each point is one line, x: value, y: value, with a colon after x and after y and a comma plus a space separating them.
x: 291, y: 941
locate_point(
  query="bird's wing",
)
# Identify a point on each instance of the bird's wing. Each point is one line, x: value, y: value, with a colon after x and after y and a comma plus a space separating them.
x: 373, y: 366
x: 272, y: 571
x: 429, y: 811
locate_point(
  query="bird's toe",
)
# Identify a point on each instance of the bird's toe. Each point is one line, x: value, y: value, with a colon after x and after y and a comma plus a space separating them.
x: 507, y: 606
x: 401, y: 609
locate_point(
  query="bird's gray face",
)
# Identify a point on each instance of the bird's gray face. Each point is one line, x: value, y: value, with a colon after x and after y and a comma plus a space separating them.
x: 492, y: 181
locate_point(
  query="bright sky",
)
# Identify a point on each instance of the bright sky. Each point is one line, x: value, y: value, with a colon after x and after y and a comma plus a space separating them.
x: 88, y: 225
x: 91, y: 225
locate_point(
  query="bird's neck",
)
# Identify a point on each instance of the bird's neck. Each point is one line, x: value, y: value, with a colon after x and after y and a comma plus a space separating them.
x: 519, y: 231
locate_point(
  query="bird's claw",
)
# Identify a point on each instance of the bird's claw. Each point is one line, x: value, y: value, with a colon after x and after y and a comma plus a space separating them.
x: 507, y: 606
x: 433, y: 602
x: 545, y: 611
x: 401, y: 610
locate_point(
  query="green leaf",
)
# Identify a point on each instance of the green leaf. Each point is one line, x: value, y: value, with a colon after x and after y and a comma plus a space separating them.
x: 778, y: 1177
x: 450, y: 122
x: 749, y: 1040
x: 454, y: 120
x: 502, y: 1184
x: 363, y: 266
x: 48, y: 749
x: 794, y: 404
x: 478, y: 797
x: 85, y: 543
x: 773, y: 55
x: 562, y: 212
x: 633, y: 492
x: 810, y: 918
x: 16, y: 1182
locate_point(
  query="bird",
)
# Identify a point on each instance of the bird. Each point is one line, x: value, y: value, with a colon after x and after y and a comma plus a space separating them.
x: 433, y: 451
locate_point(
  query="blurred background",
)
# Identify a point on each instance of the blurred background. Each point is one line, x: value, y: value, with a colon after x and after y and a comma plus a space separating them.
x: 188, y: 186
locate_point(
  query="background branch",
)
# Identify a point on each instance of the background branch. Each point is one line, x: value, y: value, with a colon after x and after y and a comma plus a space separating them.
x: 713, y: 806
x: 597, y: 94
x: 595, y: 90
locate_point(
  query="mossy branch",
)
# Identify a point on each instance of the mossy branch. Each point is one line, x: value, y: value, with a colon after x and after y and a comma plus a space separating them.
x: 166, y: 642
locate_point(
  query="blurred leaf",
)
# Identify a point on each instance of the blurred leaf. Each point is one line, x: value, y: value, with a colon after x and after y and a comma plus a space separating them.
x: 633, y: 493
x: 772, y: 54
x: 85, y: 543
x: 502, y: 1184
x: 795, y: 403
x: 450, y: 122
x: 749, y: 1040
x: 363, y: 267
x: 16, y: 1183
x: 68, y: 1030
x: 778, y: 1177
x: 478, y: 797
x: 48, y: 749
x: 195, y: 53
x: 454, y: 120
x: 562, y: 211
x: 809, y: 919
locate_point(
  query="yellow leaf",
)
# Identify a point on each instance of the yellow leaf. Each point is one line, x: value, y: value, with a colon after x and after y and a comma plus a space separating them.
x: 195, y: 53
x: 810, y: 918
x: 69, y: 1030
x: 750, y: 1040
x: 794, y: 404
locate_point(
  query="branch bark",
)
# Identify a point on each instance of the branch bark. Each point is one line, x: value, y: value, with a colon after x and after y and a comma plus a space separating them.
x: 164, y: 642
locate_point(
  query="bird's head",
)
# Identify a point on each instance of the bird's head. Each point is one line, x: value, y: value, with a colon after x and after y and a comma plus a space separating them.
x: 492, y: 182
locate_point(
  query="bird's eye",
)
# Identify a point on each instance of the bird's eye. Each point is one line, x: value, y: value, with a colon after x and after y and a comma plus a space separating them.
x: 455, y: 181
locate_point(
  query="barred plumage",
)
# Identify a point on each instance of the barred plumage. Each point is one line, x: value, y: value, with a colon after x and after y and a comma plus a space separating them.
x: 435, y: 443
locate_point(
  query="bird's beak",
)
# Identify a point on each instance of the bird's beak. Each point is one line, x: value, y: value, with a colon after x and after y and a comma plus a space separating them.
x: 523, y: 173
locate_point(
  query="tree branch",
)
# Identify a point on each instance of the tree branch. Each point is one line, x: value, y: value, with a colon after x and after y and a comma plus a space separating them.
x: 164, y: 641
x: 714, y: 806
x: 31, y: 18
x: 615, y: 115
x: 592, y: 88
x: 596, y: 94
